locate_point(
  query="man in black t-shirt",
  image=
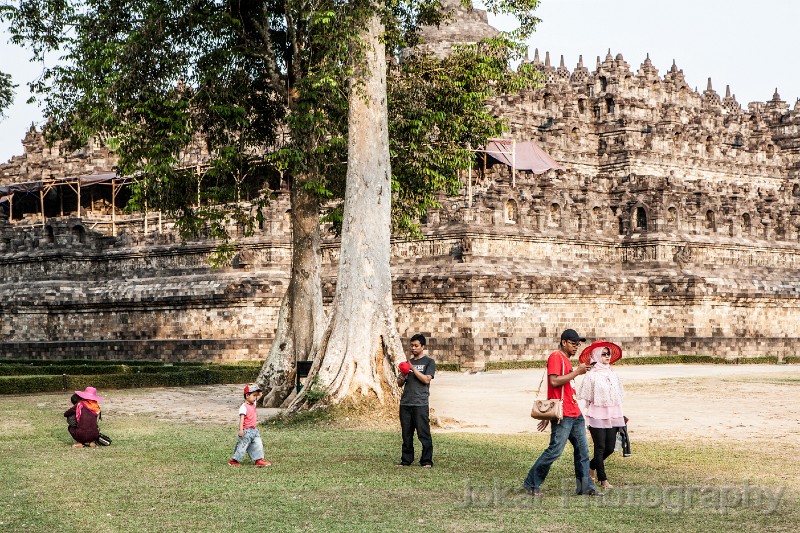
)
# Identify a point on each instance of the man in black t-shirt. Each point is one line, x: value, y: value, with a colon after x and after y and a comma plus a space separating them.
x: 414, y: 412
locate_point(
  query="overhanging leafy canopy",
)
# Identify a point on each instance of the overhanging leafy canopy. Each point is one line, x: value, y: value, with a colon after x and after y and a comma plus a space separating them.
x: 6, y: 92
x: 258, y: 89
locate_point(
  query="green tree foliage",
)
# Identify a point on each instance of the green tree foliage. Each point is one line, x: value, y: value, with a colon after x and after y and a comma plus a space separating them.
x: 438, y: 116
x: 156, y: 79
x: 263, y: 85
x: 264, y: 88
x: 6, y: 92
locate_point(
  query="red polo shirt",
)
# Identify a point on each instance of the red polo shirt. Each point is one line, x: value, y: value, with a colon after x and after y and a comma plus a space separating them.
x: 554, y: 366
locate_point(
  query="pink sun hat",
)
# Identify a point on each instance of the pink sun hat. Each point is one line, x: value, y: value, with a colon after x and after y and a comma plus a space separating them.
x: 89, y: 393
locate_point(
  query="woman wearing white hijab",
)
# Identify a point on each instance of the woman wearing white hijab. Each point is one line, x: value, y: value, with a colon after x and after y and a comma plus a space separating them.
x: 603, y: 393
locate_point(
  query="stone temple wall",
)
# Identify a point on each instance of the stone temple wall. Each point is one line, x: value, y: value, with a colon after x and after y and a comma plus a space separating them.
x: 675, y: 229
x: 106, y: 297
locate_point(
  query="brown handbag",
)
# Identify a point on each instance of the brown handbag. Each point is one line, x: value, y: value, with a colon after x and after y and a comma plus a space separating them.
x: 548, y: 409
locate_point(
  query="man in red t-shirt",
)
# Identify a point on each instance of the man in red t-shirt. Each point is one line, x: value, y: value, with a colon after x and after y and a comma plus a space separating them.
x: 572, y: 427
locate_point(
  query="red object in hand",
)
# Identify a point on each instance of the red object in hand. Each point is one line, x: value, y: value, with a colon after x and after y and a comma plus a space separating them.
x: 405, y: 367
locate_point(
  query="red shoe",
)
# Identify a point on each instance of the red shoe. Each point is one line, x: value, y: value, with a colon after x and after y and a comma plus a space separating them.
x: 234, y: 462
x: 262, y: 462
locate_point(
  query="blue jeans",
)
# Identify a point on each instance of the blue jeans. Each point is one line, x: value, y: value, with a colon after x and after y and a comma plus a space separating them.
x: 572, y: 430
x: 250, y: 443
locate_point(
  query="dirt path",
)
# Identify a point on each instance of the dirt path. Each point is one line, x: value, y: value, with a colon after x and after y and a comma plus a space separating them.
x: 662, y: 401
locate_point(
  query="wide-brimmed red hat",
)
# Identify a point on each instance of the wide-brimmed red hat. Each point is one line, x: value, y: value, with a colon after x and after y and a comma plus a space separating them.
x: 89, y: 393
x: 586, y: 354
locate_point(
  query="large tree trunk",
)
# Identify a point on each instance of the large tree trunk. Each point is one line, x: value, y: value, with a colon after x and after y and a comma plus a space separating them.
x: 301, y: 318
x: 357, y: 356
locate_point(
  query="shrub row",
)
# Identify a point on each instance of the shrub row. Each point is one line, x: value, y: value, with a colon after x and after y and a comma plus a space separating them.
x: 91, y: 369
x: 56, y: 369
x: 659, y: 360
x: 200, y: 376
x: 515, y: 365
x: 704, y: 359
x: 96, y: 362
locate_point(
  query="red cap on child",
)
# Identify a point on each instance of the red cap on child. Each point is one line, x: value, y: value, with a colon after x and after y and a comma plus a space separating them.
x: 252, y: 387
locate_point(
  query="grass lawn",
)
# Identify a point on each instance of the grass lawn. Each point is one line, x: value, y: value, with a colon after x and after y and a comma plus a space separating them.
x: 160, y: 476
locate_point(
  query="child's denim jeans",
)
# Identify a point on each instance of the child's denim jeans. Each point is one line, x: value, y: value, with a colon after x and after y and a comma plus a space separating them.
x: 250, y: 443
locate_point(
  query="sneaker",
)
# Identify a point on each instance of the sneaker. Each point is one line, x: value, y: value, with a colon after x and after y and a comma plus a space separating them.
x: 262, y: 462
x: 427, y: 466
x: 234, y: 462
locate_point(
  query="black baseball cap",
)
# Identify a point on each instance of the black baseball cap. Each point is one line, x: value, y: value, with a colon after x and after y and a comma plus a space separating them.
x: 572, y: 335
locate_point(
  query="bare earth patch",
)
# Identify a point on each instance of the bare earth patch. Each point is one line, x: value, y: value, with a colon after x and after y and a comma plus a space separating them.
x: 214, y: 404
x: 741, y: 402
x: 737, y: 402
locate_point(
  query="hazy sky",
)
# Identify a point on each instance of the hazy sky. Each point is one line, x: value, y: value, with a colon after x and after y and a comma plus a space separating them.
x: 753, y: 46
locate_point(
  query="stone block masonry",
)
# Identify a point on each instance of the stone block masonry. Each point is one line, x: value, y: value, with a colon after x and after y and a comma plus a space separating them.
x: 479, y: 292
x: 675, y: 229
